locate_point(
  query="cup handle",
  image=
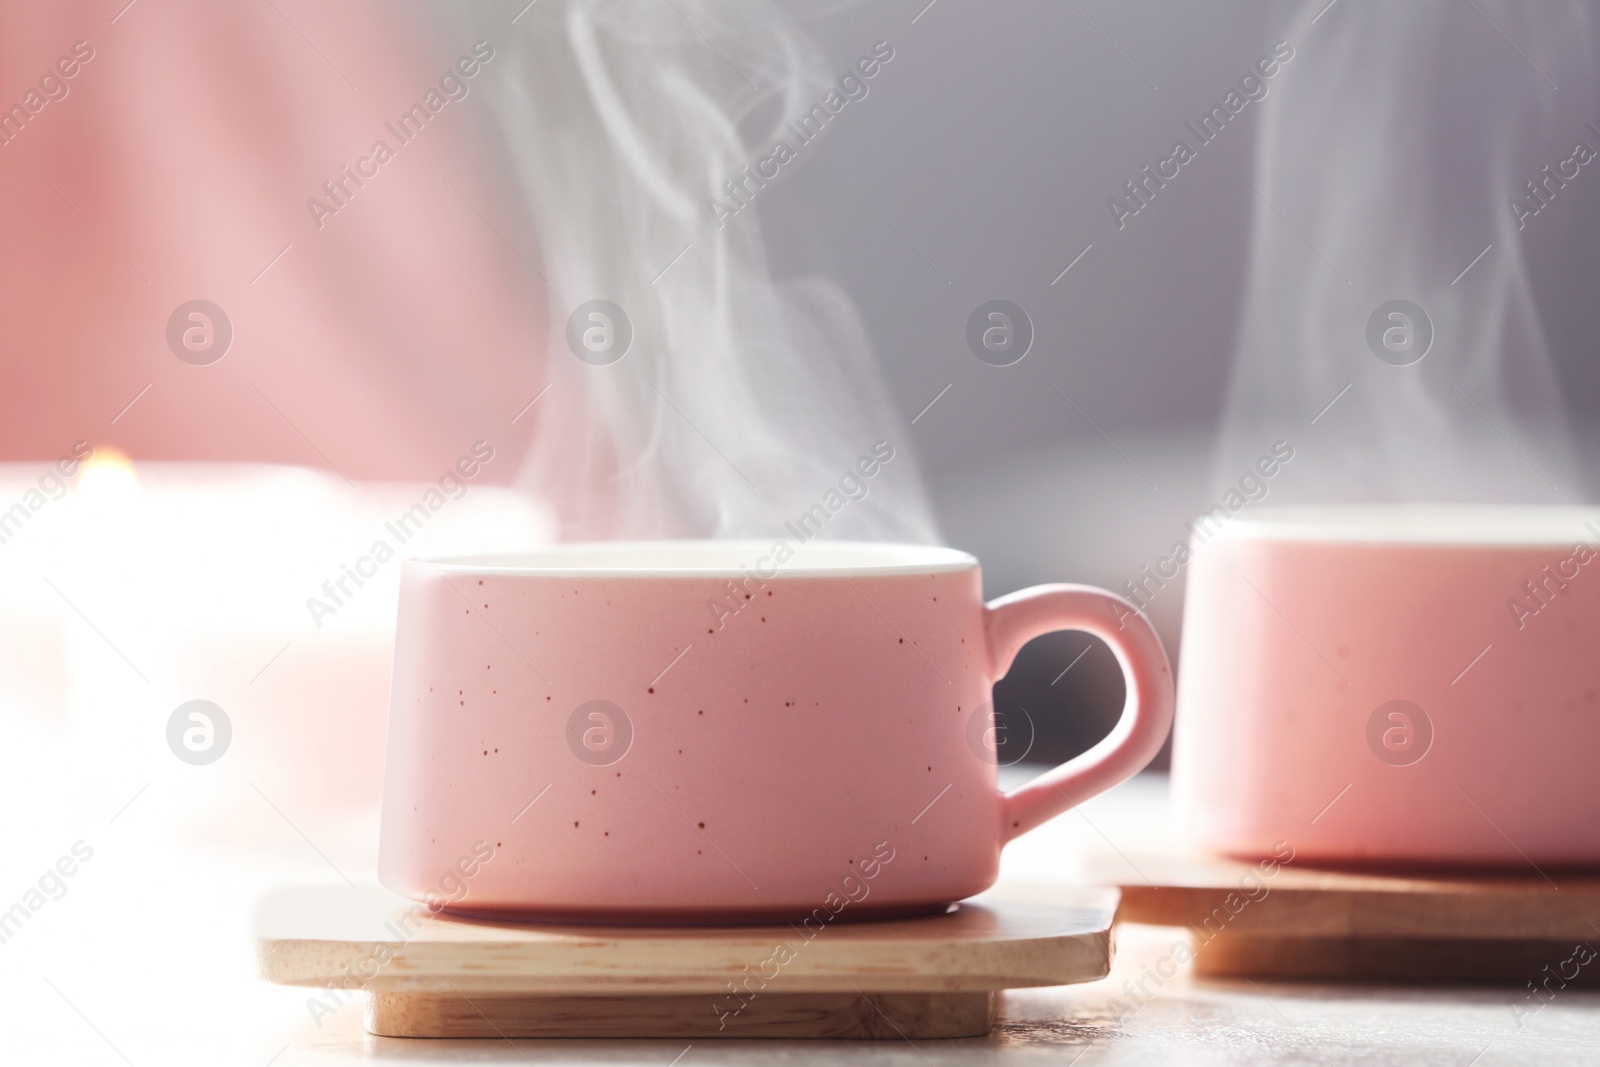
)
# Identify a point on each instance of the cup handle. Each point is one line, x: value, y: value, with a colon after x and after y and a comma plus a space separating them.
x: 1015, y: 619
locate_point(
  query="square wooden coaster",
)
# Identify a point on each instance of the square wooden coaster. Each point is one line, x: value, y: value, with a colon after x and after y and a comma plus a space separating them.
x: 1291, y: 920
x: 449, y: 976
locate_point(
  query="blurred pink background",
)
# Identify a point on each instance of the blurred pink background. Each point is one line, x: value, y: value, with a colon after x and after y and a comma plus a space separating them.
x: 177, y: 167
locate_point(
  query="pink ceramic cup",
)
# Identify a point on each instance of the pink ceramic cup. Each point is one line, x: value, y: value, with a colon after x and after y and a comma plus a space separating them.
x: 714, y: 731
x: 1394, y: 684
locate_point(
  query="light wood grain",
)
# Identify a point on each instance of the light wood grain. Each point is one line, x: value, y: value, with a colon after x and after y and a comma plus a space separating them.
x: 1187, y: 890
x: 443, y: 975
x: 1300, y: 921
x: 321, y: 936
x: 877, y: 1016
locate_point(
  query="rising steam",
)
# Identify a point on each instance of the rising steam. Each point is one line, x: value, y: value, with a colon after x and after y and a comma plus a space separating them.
x: 1392, y: 154
x: 743, y: 399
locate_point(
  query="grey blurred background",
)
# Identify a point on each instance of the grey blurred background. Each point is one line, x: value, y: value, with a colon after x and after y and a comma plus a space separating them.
x: 979, y: 167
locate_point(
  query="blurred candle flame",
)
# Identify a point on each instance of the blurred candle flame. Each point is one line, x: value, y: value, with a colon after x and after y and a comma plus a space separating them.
x: 108, y: 475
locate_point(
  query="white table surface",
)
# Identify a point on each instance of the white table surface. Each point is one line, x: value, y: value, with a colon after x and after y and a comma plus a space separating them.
x: 147, y: 959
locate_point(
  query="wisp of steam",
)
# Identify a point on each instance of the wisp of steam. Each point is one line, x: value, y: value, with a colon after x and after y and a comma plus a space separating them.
x: 1389, y: 162
x: 744, y: 399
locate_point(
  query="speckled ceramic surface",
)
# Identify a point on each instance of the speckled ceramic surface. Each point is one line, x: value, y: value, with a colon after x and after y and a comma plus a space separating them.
x: 701, y: 731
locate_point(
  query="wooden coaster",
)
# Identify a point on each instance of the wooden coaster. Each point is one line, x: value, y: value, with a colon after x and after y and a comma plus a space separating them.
x: 449, y: 976
x: 1289, y: 920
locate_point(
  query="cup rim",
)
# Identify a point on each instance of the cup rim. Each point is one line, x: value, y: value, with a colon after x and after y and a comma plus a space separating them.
x: 707, y: 558
x: 1468, y: 525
